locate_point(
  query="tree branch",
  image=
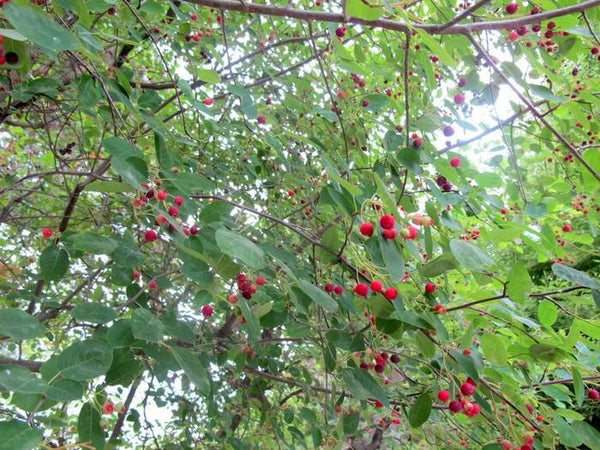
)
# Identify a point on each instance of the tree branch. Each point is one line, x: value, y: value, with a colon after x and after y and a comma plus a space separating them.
x: 319, y: 16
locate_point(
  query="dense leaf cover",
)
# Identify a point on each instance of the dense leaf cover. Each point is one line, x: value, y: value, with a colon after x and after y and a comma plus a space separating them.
x: 351, y: 224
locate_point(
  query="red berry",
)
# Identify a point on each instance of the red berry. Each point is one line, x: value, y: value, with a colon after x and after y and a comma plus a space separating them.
x: 526, y: 447
x: 395, y: 359
x: 47, y: 233
x: 340, y: 32
x: 174, y: 211
x: 467, y: 389
x: 417, y: 142
x: 162, y: 195
x: 377, y: 286
x: 329, y: 287
x: 108, y: 408
x: 233, y: 299
x: 529, y: 439
x: 455, y: 406
x: 430, y: 288
x: 439, y: 309
x: 366, y: 102
x: 593, y: 394
x: 194, y: 17
x: 361, y: 289
x: 338, y: 290
x: 444, y: 396
x: 387, y: 222
x: 209, y: 102
x: 391, y: 294
x: 178, y: 200
x: 595, y: 50
x: 466, y: 352
x: 291, y: 193
x: 567, y: 228
x: 455, y: 162
x: 378, y: 404
x: 194, y: 230
x: 448, y: 131
x: 153, y: 284
x: 459, y: 98
x: 367, y: 229
x: 390, y: 234
x: 151, y: 236
x: 207, y: 310
x: 512, y: 8
x: 513, y: 36
x: 260, y: 281
x: 261, y: 119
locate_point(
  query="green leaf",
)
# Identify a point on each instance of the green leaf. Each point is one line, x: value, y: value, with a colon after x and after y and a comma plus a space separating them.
x: 438, y: 266
x: 494, y: 349
x: 470, y: 256
x: 425, y: 345
x: 240, y: 248
x: 65, y: 391
x: 363, y: 9
x: 588, y: 434
x: 318, y: 296
x: 15, y: 378
x: 536, y: 210
x: 84, y: 360
x: 89, y: 428
x: 109, y: 187
x: 545, y: 93
x: 578, y: 387
x: 575, y: 276
x: 94, y: 313
x: 133, y: 170
x: 436, y: 48
x: 19, y: 325
x: 208, y: 76
x: 393, y: 259
x: 548, y: 353
x: 16, y: 435
x: 147, y: 327
x: 566, y: 433
x: 363, y: 386
x: 54, y: 263
x: 420, y: 410
x: 12, y: 34
x: 39, y: 28
x: 547, y: 313
x: 193, y: 368
x: 519, y: 283
x: 93, y: 243
x: 128, y: 255
x: 350, y: 422
x: 124, y: 369
x: 251, y: 320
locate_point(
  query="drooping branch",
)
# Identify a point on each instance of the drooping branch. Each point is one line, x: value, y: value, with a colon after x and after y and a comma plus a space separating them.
x: 505, y: 295
x: 533, y: 109
x: 490, y: 130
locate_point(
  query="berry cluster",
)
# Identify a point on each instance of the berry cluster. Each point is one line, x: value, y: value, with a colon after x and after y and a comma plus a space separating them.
x: 388, y: 229
x: 467, y: 389
x: 246, y: 288
x: 376, y: 361
x: 161, y: 219
x: 362, y: 290
x: 335, y: 288
x: 443, y: 183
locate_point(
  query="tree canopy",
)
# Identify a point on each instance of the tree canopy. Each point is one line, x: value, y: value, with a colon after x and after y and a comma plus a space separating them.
x: 299, y: 224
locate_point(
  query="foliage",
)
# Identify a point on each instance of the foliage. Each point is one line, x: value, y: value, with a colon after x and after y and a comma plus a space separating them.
x: 184, y: 198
